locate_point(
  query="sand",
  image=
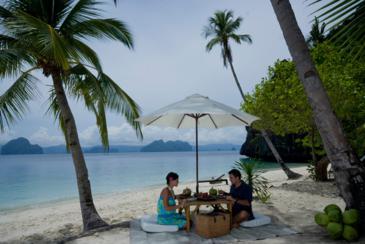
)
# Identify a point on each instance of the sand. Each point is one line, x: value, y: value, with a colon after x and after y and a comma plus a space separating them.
x: 55, y: 221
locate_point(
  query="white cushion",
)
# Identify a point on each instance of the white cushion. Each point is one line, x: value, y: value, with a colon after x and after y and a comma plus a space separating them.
x: 149, y: 224
x: 258, y: 221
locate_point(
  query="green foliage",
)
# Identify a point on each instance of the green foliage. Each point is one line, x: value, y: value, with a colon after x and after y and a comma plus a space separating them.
x: 13, y: 102
x: 222, y: 28
x: 49, y: 36
x: 317, y: 33
x: 279, y: 100
x: 345, y: 19
x: 311, y: 169
x: 264, y: 196
x: 252, y: 176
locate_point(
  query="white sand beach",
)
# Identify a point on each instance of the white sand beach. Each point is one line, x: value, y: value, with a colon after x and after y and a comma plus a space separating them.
x: 50, y: 222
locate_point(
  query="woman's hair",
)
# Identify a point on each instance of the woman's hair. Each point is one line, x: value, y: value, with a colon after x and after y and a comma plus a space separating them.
x: 171, y: 176
x: 235, y: 173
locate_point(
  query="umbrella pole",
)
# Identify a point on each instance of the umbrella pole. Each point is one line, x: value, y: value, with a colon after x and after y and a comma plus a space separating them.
x: 196, y: 155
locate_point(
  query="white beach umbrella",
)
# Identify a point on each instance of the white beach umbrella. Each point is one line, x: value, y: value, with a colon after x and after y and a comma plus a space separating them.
x: 197, y: 111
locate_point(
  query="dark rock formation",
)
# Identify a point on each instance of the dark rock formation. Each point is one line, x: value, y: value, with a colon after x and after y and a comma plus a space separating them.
x: 289, y: 149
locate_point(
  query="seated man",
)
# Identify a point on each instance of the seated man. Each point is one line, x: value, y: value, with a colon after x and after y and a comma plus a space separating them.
x: 241, y: 195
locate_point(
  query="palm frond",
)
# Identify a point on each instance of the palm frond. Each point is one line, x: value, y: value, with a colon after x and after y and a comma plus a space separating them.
x: 252, y: 176
x: 345, y: 20
x: 86, y: 54
x: 222, y: 28
x: 97, y: 90
x: 103, y: 28
x: 102, y: 125
x: 240, y: 38
x: 43, y: 38
x: 88, y: 89
x: 233, y: 24
x: 13, y: 103
x: 83, y: 10
x: 118, y: 100
x: 212, y: 43
x: 55, y: 111
x: 12, y: 61
x: 5, y: 13
x: 246, y: 38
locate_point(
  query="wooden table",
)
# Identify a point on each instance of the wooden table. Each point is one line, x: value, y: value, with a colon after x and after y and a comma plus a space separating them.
x: 199, y: 203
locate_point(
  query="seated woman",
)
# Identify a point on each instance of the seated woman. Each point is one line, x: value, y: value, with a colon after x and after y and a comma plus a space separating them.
x: 166, y: 206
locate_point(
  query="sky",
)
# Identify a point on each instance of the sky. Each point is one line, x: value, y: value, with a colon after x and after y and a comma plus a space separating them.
x: 169, y: 63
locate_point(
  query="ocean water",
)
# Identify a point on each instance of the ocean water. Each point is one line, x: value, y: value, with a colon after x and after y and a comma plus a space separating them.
x: 33, y: 179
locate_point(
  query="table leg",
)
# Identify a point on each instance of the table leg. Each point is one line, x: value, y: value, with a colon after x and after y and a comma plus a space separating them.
x: 187, y: 214
x: 229, y: 206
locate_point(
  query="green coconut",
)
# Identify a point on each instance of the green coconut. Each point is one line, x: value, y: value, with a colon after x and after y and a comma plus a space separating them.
x: 321, y: 219
x: 335, y: 216
x: 213, y: 192
x: 331, y: 207
x: 335, y: 230
x: 350, y: 233
x: 350, y: 216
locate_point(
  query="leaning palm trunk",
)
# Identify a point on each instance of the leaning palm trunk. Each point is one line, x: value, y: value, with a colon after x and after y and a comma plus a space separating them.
x: 349, y: 171
x: 290, y: 174
x: 90, y: 216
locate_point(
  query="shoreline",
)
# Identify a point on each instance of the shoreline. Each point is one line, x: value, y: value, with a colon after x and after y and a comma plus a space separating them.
x: 59, y: 220
x: 45, y: 203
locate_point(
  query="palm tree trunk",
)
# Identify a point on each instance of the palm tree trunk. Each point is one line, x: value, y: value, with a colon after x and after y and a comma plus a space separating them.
x: 236, y: 79
x: 314, y: 157
x: 349, y: 171
x: 290, y: 174
x: 90, y: 216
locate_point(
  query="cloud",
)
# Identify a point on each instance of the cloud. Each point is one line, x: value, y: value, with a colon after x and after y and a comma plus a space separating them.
x: 169, y: 63
x: 7, y: 136
x: 43, y: 137
x: 124, y: 134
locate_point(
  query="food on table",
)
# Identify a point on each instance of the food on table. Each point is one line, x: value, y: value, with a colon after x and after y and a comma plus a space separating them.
x: 213, y: 192
x: 187, y: 192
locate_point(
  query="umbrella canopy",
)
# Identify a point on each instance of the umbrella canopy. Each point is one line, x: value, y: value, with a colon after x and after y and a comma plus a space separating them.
x: 197, y: 111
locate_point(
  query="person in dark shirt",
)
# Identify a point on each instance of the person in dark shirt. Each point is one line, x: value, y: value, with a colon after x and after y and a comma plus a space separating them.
x: 241, y: 196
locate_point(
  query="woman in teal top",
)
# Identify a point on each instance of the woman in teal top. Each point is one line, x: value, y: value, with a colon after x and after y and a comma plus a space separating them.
x: 166, y: 205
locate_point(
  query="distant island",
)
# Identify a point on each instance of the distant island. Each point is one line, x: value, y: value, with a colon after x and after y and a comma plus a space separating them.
x: 21, y: 145
x: 94, y: 149
x: 169, y: 146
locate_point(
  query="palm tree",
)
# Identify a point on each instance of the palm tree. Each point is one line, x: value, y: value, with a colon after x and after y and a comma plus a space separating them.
x: 345, y: 20
x: 48, y: 35
x: 222, y: 28
x: 317, y: 33
x: 349, y: 171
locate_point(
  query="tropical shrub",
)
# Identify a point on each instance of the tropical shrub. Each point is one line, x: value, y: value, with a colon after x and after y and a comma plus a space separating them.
x: 252, y: 176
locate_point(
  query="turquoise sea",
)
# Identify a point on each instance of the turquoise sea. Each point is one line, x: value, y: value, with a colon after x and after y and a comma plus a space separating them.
x: 33, y: 179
